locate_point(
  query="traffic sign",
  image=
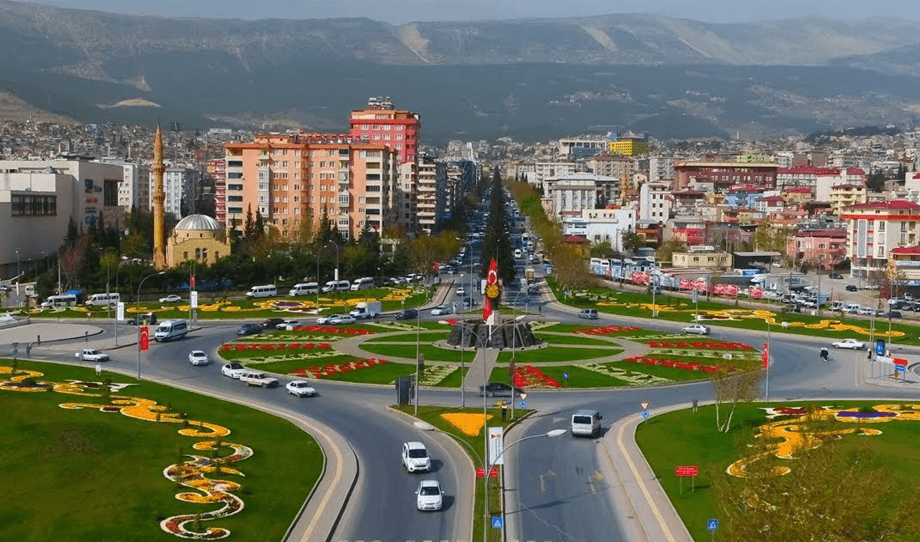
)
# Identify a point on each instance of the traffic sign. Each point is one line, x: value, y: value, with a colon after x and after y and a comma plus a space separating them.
x: 644, y: 405
x: 712, y: 524
x: 522, y: 404
x: 898, y: 368
x: 879, y: 347
x: 565, y: 376
x: 497, y: 522
x: 691, y: 470
x: 645, y: 414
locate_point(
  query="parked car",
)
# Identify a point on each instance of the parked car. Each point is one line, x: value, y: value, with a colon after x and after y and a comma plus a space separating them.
x: 339, y: 319
x: 836, y: 276
x: 415, y: 457
x: 851, y: 344
x: 501, y: 389
x: 408, y: 314
x: 90, y: 354
x: 173, y: 298
x: 233, y: 370
x: 249, y: 329
x: 893, y: 314
x: 430, y: 495
x: 851, y: 288
x: 865, y: 311
x: 696, y: 329
x: 300, y: 388
x: 198, y: 357
x: 461, y: 291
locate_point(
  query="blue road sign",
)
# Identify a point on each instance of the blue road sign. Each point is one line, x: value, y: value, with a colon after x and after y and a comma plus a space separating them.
x: 522, y: 404
x: 565, y: 376
x: 898, y: 368
x: 645, y: 414
x: 497, y: 522
x: 711, y: 524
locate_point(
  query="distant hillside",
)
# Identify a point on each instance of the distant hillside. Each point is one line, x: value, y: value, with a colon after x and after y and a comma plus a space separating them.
x: 527, y: 78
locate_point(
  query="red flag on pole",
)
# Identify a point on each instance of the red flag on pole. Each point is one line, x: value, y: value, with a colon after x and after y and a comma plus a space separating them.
x: 766, y: 355
x: 491, y: 290
x: 144, y: 340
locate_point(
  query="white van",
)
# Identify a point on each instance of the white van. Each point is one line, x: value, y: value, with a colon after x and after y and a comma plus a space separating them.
x: 59, y: 301
x: 304, y: 288
x: 171, y: 330
x: 586, y: 423
x: 267, y: 290
x: 364, y: 283
x: 342, y: 286
x: 103, y: 299
x: 851, y: 308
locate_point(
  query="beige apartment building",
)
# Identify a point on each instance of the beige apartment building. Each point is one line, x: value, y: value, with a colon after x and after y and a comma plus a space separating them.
x: 296, y: 179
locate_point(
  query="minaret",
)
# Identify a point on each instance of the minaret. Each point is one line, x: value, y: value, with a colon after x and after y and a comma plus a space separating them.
x: 159, y: 227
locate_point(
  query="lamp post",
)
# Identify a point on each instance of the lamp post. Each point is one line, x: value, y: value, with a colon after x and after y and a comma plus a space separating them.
x: 136, y: 303
x: 549, y: 434
x: 655, y: 282
x: 17, y: 272
x: 418, y: 354
x: 317, y: 282
x: 336, y: 260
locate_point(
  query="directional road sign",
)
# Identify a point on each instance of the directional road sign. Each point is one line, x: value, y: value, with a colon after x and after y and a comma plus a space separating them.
x: 565, y: 376
x: 523, y: 404
x: 711, y: 524
x: 645, y: 414
x: 497, y: 522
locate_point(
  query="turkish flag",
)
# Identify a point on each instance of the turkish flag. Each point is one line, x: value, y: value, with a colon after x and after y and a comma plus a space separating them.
x: 192, y: 282
x: 144, y: 338
x: 766, y: 356
x: 491, y: 280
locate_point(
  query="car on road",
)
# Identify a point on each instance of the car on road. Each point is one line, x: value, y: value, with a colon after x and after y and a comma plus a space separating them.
x: 589, y: 314
x: 440, y: 310
x: 324, y: 320
x: 893, y: 314
x: 408, y: 314
x: 696, y: 329
x: 836, y: 276
x: 170, y: 299
x: 249, y: 329
x: 430, y: 495
x: 339, y: 319
x: 233, y: 370
x: 851, y: 344
x: 150, y: 318
x: 461, y: 291
x: 851, y: 288
x: 290, y: 324
x: 415, y: 457
x: 256, y: 378
x: 300, y: 388
x: 90, y: 354
x: 271, y: 323
x: 500, y: 389
x: 198, y: 357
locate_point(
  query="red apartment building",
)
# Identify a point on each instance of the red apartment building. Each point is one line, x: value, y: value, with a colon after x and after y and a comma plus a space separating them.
x: 725, y: 174
x: 218, y: 170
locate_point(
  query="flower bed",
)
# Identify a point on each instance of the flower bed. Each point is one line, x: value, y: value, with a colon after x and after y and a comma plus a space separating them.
x: 273, y: 346
x: 336, y: 368
x: 698, y: 344
x: 529, y: 376
x: 332, y: 329
x: 606, y: 330
x: 469, y: 424
x: 677, y: 364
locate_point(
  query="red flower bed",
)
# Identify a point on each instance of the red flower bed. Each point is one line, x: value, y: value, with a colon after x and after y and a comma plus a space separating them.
x: 273, y: 346
x: 677, y: 364
x: 606, y: 330
x: 529, y: 376
x: 335, y: 368
x: 705, y: 345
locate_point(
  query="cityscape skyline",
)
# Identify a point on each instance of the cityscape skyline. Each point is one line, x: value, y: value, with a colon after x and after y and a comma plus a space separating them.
x: 406, y: 11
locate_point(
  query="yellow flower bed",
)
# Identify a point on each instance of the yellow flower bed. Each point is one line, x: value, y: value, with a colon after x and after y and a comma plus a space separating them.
x: 468, y: 424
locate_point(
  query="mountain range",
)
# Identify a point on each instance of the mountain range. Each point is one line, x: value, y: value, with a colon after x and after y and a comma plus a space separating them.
x: 529, y: 79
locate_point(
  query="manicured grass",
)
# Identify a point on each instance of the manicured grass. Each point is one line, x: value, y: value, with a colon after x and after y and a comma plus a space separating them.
x: 473, y: 445
x: 564, y: 328
x: 378, y: 374
x: 86, y: 475
x: 572, y: 339
x: 406, y: 325
x: 556, y: 354
x: 408, y: 351
x: 289, y: 366
x: 240, y: 355
x: 454, y: 379
x: 688, y: 438
x: 425, y: 336
x: 578, y: 377
x: 679, y: 375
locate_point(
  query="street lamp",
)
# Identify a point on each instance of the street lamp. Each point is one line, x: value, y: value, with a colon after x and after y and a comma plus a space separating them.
x: 549, y: 434
x: 336, y: 260
x: 137, y: 301
x: 17, y: 272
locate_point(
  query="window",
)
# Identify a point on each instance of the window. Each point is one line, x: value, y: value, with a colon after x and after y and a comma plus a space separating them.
x: 197, y: 253
x: 31, y: 205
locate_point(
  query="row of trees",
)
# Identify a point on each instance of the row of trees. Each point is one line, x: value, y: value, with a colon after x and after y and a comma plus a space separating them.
x: 497, y: 242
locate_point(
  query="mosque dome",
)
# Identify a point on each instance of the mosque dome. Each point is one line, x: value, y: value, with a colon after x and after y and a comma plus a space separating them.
x: 198, y: 223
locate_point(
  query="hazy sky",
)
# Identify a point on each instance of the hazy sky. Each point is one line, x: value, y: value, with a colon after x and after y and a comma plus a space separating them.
x: 402, y: 11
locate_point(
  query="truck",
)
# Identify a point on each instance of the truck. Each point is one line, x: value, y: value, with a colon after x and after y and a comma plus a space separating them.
x: 367, y: 310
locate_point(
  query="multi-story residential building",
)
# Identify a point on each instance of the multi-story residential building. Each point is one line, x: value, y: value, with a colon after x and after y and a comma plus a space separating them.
x: 721, y: 175
x: 654, y: 202
x: 876, y: 228
x: 431, y: 175
x: 568, y: 195
x: 598, y: 225
x: 821, y: 248
x: 537, y: 172
x: 689, y: 229
x: 217, y: 168
x: 294, y: 180
x: 613, y: 165
x: 660, y: 167
x: 628, y: 145
x: 842, y: 196
x: 180, y: 185
x: 134, y: 190
x: 39, y: 198
x: 904, y: 264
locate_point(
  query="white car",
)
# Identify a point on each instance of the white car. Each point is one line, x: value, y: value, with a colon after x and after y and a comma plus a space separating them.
x: 461, y: 291
x: 291, y: 324
x: 440, y: 310
x: 851, y: 344
x: 323, y: 320
x: 256, y: 378
x: 233, y: 370
x: 88, y: 354
x: 430, y: 495
x: 865, y: 311
x: 198, y: 357
x: 300, y: 388
x: 339, y: 319
x: 696, y: 329
x: 415, y: 457
x: 170, y: 299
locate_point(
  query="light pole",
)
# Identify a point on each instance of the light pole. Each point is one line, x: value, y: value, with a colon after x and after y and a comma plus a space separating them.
x: 485, y: 526
x: 418, y: 353
x: 17, y: 272
x: 336, y: 261
x: 655, y: 282
x: 139, y: 328
x: 317, y: 282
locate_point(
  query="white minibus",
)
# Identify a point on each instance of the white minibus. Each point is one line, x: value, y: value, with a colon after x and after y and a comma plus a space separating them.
x: 267, y: 290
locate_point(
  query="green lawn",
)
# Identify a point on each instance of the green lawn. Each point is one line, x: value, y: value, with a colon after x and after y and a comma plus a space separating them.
x: 572, y: 339
x: 378, y: 374
x: 688, y: 438
x: 86, y: 475
x: 578, y: 377
x: 287, y: 353
x: 424, y: 336
x: 408, y: 351
x: 556, y: 354
x: 288, y: 366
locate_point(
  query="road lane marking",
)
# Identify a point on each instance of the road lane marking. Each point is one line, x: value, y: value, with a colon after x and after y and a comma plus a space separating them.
x: 635, y: 472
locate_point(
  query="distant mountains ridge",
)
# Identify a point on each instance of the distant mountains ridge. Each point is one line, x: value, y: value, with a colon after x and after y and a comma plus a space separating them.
x: 539, y: 78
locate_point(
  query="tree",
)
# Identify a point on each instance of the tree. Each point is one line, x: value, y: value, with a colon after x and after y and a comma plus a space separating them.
x: 730, y: 389
x: 602, y: 250
x: 667, y: 249
x: 72, y: 260
x: 876, y: 182
x: 771, y: 238
x: 497, y: 243
x: 631, y: 241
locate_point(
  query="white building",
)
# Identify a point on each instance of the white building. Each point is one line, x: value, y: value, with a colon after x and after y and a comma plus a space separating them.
x: 598, y: 225
x: 181, y: 187
x: 654, y: 202
x: 660, y: 167
x: 570, y: 194
x: 538, y: 172
x: 134, y: 190
x: 569, y: 146
x: 875, y: 228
